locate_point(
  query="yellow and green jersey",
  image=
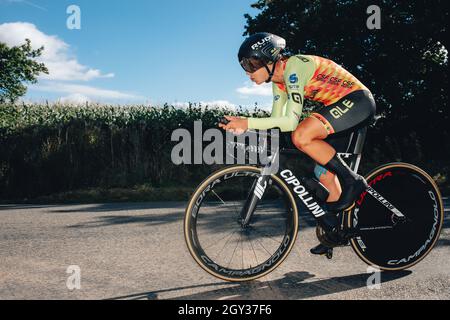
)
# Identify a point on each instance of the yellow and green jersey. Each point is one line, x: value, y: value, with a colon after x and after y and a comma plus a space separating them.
x: 306, y: 77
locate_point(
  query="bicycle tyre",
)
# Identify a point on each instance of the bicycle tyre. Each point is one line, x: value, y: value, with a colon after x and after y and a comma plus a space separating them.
x: 416, y: 195
x: 219, y: 271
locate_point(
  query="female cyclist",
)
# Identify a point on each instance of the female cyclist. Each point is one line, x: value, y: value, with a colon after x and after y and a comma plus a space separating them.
x: 347, y: 104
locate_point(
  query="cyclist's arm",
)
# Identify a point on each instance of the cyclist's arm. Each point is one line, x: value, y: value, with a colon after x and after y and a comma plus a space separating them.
x: 279, y: 100
x: 296, y: 76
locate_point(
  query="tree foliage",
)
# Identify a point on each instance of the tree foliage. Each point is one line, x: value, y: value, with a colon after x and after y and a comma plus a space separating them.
x: 18, y: 65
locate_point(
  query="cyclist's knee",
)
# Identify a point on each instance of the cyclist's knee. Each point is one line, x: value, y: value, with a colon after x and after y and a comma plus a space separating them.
x: 301, y: 138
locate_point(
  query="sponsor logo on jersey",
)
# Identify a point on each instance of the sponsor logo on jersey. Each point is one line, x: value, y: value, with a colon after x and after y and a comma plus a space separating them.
x: 277, y: 97
x: 302, y: 58
x: 293, y: 78
x: 337, y: 112
x: 296, y: 97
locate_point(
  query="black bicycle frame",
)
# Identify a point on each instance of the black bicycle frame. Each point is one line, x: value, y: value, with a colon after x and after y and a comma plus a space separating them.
x: 259, y: 187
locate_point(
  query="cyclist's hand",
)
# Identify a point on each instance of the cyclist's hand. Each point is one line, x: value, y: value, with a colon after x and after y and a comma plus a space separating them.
x: 235, y: 125
x: 232, y: 118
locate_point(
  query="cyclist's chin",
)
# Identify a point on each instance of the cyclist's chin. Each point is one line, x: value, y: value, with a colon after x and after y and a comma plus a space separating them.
x: 258, y: 81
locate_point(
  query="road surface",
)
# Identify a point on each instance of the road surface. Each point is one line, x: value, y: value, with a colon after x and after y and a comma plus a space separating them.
x: 137, y: 251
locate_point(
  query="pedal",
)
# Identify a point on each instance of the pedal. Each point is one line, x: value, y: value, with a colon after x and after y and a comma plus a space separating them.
x: 323, y: 251
x: 329, y: 253
x: 350, y: 233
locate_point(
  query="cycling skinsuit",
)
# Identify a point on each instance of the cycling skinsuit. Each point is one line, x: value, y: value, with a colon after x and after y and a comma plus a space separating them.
x: 348, y: 104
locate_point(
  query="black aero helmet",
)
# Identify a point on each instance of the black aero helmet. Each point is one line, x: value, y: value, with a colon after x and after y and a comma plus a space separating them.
x: 260, y: 49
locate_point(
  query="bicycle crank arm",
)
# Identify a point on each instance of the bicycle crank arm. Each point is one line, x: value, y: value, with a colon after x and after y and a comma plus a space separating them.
x: 351, y: 233
x: 385, y: 203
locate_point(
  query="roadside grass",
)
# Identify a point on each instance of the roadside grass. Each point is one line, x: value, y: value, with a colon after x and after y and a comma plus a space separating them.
x: 140, y: 193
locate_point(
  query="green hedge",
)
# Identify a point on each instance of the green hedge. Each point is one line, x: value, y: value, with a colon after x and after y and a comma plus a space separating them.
x: 46, y: 149
x: 53, y: 148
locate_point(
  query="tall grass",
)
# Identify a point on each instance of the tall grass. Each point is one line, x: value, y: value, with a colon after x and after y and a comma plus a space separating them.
x: 53, y: 148
x: 46, y: 149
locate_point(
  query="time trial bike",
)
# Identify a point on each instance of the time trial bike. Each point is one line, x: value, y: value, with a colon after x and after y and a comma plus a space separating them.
x: 242, y: 221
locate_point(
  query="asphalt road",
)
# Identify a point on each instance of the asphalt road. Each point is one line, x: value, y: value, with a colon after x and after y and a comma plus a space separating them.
x: 137, y: 251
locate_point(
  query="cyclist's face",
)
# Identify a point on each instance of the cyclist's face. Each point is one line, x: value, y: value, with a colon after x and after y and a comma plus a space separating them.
x: 259, y: 76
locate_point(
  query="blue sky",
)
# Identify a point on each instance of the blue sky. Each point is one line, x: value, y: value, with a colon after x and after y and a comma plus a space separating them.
x: 139, y: 51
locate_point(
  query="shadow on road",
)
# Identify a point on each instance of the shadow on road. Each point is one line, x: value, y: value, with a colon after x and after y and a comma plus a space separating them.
x: 148, y: 219
x: 176, y: 214
x: 100, y: 207
x: 125, y: 206
x: 26, y: 206
x: 292, y: 286
x: 443, y: 242
x: 176, y: 208
x: 305, y: 220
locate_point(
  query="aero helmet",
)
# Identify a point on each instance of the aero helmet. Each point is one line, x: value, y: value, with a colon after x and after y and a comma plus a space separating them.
x: 260, y: 49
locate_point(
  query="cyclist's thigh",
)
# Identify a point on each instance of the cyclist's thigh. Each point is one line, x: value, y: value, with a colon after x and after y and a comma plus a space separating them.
x: 353, y: 111
x: 342, y: 119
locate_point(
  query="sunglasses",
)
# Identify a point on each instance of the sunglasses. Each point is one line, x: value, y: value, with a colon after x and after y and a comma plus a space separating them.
x: 252, y: 64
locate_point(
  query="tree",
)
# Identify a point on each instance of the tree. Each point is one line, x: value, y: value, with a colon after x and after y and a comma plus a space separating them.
x: 17, y: 65
x: 405, y: 63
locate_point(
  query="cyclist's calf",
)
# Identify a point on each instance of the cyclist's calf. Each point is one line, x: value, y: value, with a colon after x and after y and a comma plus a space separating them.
x: 330, y: 181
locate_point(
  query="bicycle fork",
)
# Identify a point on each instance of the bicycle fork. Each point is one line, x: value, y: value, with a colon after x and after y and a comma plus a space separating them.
x: 257, y: 191
x: 255, y: 195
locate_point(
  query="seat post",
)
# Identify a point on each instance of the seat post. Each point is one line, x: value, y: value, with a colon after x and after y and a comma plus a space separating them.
x: 357, y: 150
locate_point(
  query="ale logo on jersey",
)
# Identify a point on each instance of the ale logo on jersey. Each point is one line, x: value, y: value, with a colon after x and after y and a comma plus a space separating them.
x: 293, y: 78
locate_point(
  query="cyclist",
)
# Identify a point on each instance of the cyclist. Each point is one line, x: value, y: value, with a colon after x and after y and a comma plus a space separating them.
x: 347, y: 104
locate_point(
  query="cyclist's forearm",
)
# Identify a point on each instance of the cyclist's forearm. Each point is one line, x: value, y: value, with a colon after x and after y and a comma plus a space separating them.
x: 284, y: 123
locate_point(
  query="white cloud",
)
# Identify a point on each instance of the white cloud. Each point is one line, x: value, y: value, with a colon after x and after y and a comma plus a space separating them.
x: 181, y: 105
x: 255, y: 90
x: 219, y: 103
x: 76, y: 90
x: 75, y: 98
x: 56, y: 54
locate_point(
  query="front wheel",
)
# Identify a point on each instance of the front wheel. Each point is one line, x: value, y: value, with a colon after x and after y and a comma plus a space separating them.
x: 218, y: 240
x: 384, y: 241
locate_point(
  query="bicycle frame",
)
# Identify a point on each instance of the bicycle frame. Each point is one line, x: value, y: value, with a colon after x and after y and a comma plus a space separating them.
x: 306, y: 196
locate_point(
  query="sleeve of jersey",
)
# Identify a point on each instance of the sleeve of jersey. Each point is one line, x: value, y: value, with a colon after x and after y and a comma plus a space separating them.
x: 279, y: 100
x: 296, y: 76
